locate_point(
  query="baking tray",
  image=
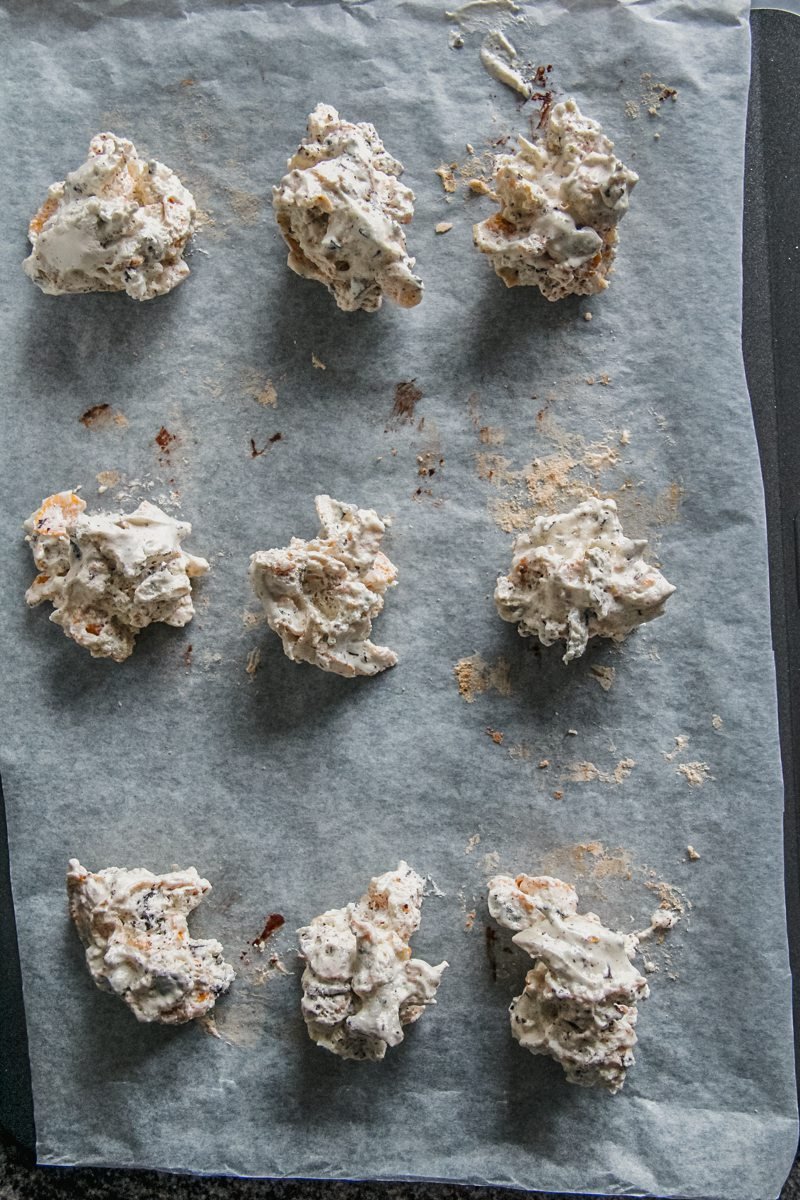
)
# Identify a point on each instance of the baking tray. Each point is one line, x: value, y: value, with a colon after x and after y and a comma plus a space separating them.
x: 772, y: 360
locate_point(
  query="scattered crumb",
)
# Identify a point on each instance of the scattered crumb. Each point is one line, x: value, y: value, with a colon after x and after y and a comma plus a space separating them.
x: 207, y: 1022
x: 572, y: 733
x: 470, y: 148
x: 447, y: 177
x: 315, y: 362
x: 604, y: 380
x: 649, y: 966
x: 651, y: 97
x: 587, y: 316
x: 443, y: 227
x: 253, y: 662
x: 655, y: 94
x: 472, y: 843
x: 428, y: 464
x: 495, y: 735
x: 558, y: 795
x: 663, y: 918
x: 278, y: 965
x: 544, y: 763
x: 187, y: 656
x: 469, y: 920
x: 625, y: 437
x: 604, y: 675
x: 107, y: 479
x: 716, y: 719
x: 480, y: 187
x: 587, y: 772
x: 681, y: 742
x: 475, y: 676
x: 692, y: 854
x: 434, y: 889
x: 695, y: 773
x: 669, y: 897
x: 100, y: 416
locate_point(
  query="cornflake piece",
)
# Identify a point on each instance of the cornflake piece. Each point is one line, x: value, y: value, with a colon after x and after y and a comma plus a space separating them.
x: 560, y: 202
x: 110, y: 575
x: 133, y: 925
x: 576, y: 576
x: 579, y: 1001
x: 340, y: 210
x: 320, y: 596
x: 119, y: 223
x: 360, y: 984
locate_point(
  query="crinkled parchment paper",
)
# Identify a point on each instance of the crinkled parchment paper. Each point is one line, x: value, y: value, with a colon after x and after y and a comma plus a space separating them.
x: 289, y: 788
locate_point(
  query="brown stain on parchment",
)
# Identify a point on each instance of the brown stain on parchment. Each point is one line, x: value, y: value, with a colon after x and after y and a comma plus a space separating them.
x: 406, y: 397
x: 107, y: 479
x: 604, y: 676
x: 475, y: 676
x: 166, y: 443
x: 258, y: 387
x: 246, y: 205
x: 100, y: 416
x: 573, y: 471
x: 589, y: 860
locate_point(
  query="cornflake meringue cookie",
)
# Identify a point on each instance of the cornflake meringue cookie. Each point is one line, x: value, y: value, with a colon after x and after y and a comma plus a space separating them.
x: 119, y: 223
x: 320, y: 596
x: 561, y: 200
x: 109, y: 575
x: 341, y: 209
x: 579, y: 1002
x: 133, y: 925
x: 360, y: 984
x: 576, y: 576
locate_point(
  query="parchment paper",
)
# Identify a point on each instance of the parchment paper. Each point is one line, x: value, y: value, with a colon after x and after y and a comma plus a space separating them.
x: 289, y: 788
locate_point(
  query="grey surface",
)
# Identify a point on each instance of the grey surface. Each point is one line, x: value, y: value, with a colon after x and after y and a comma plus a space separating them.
x: 21, y: 1181
x: 302, y: 736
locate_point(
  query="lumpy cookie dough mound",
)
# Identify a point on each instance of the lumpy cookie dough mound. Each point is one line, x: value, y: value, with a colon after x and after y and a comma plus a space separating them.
x: 561, y: 199
x: 321, y: 596
x: 109, y: 575
x: 579, y: 1001
x: 133, y: 925
x: 119, y: 223
x: 341, y: 209
x: 360, y: 984
x: 576, y: 576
